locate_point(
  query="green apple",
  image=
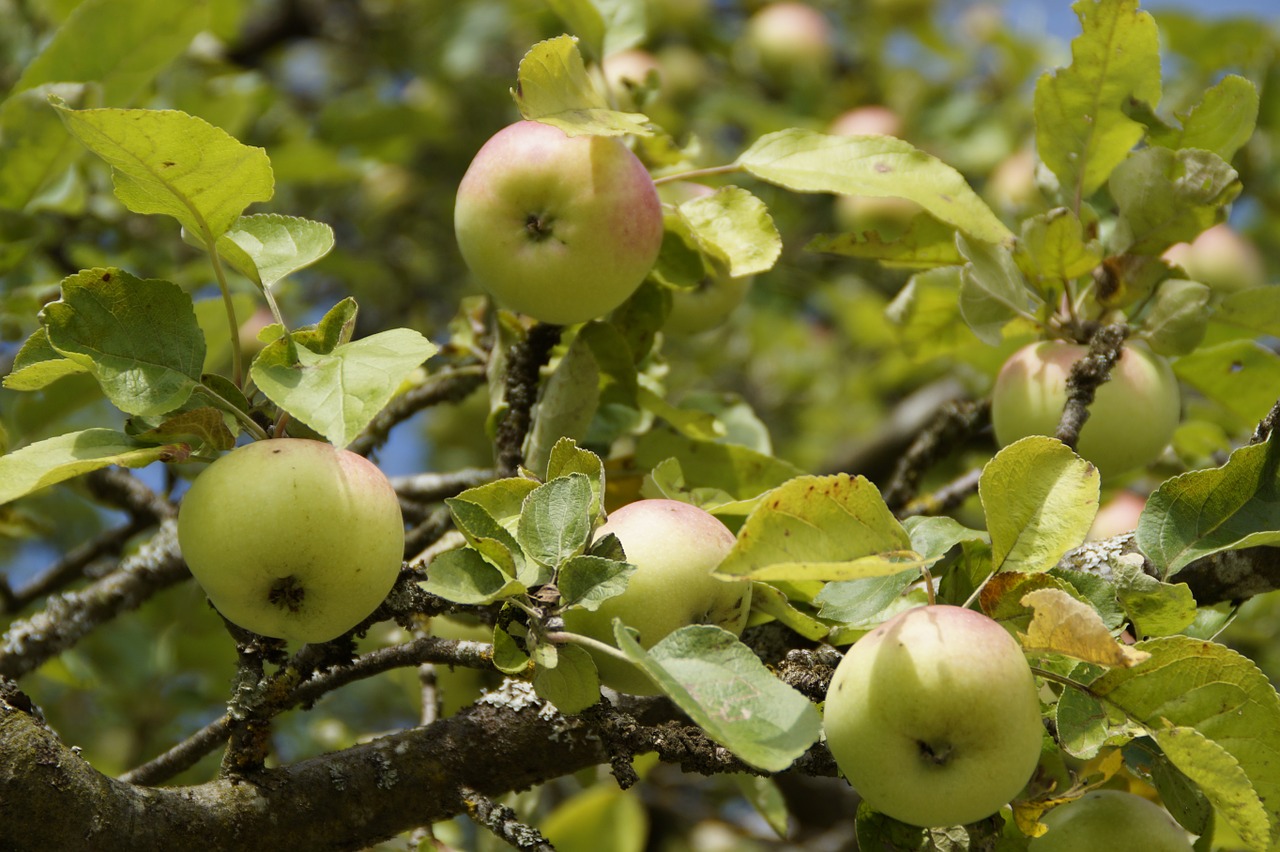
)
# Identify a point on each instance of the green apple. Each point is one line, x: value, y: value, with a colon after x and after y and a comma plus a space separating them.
x: 934, y: 718
x: 791, y: 42
x: 675, y: 547
x: 1221, y: 258
x: 1110, y: 819
x: 562, y: 228
x: 1131, y: 420
x: 292, y: 538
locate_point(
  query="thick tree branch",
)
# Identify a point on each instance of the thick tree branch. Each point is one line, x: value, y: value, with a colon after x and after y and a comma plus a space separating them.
x: 956, y: 422
x: 524, y: 365
x: 1087, y: 375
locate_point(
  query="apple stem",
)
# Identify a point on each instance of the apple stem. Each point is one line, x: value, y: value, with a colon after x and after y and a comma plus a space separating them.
x: 928, y: 586
x: 562, y: 637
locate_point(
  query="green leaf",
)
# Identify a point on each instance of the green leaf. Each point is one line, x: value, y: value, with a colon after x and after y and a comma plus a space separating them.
x: 54, y: 460
x: 861, y: 603
x: 205, y: 425
x: 1208, y: 511
x: 502, y: 499
x: 588, y: 581
x: 1179, y: 317
x: 925, y: 243
x: 339, y: 393
x: 553, y: 88
x: 1239, y: 375
x: 1166, y: 197
x: 992, y: 289
x: 1082, y: 131
x: 735, y: 227
x: 119, y: 44
x: 168, y: 162
x: 571, y: 683
x: 555, y: 522
x: 508, y: 655
x: 767, y: 798
x: 1040, y: 499
x: 463, y: 576
x: 690, y: 422
x: 602, y: 818
x: 266, y: 247
x: 878, y: 166
x: 38, y: 365
x: 771, y: 601
x: 821, y: 528
x: 491, y: 539
x: 1155, y: 608
x: 740, y: 472
x: 139, y: 338
x: 1179, y: 794
x: 875, y: 831
x: 1256, y: 309
x: 35, y: 150
x: 1222, y: 122
x: 1053, y: 247
x: 567, y: 403
x: 933, y: 537
x: 211, y: 315
x: 1082, y: 722
x: 725, y: 689
x: 927, y: 313
x: 567, y: 458
x: 1192, y: 684
x: 606, y: 26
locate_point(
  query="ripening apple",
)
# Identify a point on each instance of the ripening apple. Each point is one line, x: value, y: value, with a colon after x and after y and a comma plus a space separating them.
x: 1220, y: 258
x: 562, y: 228
x: 1110, y: 819
x: 1131, y: 420
x: 292, y: 538
x: 934, y: 718
x: 675, y: 547
x: 791, y: 41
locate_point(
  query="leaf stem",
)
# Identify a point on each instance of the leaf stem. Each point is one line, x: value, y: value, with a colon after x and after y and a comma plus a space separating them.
x: 237, y: 360
x: 565, y: 637
x: 225, y: 404
x: 710, y: 171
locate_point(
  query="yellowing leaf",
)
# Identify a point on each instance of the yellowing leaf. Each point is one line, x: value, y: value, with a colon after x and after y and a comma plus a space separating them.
x: 553, y: 88
x: 1064, y: 625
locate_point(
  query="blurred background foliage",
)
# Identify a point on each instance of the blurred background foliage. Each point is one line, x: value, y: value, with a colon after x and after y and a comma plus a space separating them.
x: 370, y: 112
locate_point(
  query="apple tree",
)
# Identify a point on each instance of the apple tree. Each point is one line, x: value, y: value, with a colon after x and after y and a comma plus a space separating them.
x: 610, y: 425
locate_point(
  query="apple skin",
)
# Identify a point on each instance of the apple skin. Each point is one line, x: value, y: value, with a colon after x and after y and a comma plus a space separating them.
x: 1131, y: 420
x: 292, y: 538
x: 1220, y: 258
x: 933, y: 717
x: 1110, y: 819
x: 791, y: 41
x: 562, y: 228
x: 675, y: 547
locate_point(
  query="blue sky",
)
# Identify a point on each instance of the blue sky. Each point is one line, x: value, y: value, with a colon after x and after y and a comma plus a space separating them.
x: 1055, y: 16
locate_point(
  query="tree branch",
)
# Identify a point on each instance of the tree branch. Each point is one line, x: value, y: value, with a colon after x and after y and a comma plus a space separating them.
x: 1087, y: 375
x: 523, y: 371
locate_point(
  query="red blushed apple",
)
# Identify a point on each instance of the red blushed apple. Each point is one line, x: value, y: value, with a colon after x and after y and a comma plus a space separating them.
x: 1131, y: 420
x: 562, y: 228
x: 791, y: 41
x: 1221, y: 258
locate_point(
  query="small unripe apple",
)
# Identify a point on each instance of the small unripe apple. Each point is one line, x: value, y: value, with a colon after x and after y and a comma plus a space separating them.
x: 1110, y: 819
x: 292, y: 538
x: 791, y: 41
x: 675, y: 547
x: 1131, y: 420
x: 1221, y: 258
x: 562, y: 228
x: 934, y: 717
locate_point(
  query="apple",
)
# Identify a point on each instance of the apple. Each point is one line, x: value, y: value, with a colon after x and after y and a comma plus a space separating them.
x: 708, y: 303
x: 675, y: 547
x: 627, y: 72
x: 1131, y: 420
x: 869, y: 120
x: 791, y: 41
x: 1012, y: 184
x: 1221, y: 258
x: 934, y: 718
x: 562, y: 228
x: 292, y: 538
x: 1118, y: 515
x: 1110, y: 819
x: 886, y: 215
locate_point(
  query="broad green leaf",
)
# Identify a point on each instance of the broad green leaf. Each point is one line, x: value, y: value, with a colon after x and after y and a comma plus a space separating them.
x: 1239, y: 375
x: 588, y: 581
x: 1256, y: 309
x: 502, y: 499
x: 491, y: 539
x: 878, y: 166
x: 584, y: 19
x: 1040, y: 499
x: 1184, y: 800
x: 1166, y: 197
x: 821, y: 528
x: 735, y: 227
x: 1189, y: 683
x: 862, y: 603
x: 119, y: 44
x: 38, y: 365
x: 771, y: 601
x: 566, y: 405
x: 1064, y: 625
x: 992, y: 289
x: 168, y: 162
x: 933, y: 537
x: 725, y: 689
x: 1178, y: 318
x: 1082, y: 722
x: 602, y: 818
x: 1222, y: 122
x: 508, y: 655
x: 767, y: 798
x: 555, y: 522
x: 553, y: 88
x: 1204, y: 512
x: 876, y: 831
x: 267, y: 246
x: 927, y: 313
x: 35, y: 150
x: 339, y: 393
x: 566, y: 458
x: 690, y: 422
x: 605, y: 26
x: 926, y: 243
x: 139, y: 338
x: 204, y: 425
x: 1082, y: 131
x: 54, y: 460
x: 571, y: 683
x: 1098, y: 591
x: 738, y: 471
x: 1053, y: 247
x: 463, y: 576
x: 1223, y: 781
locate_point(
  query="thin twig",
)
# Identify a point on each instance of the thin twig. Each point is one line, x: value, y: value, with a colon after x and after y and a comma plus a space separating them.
x: 503, y: 822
